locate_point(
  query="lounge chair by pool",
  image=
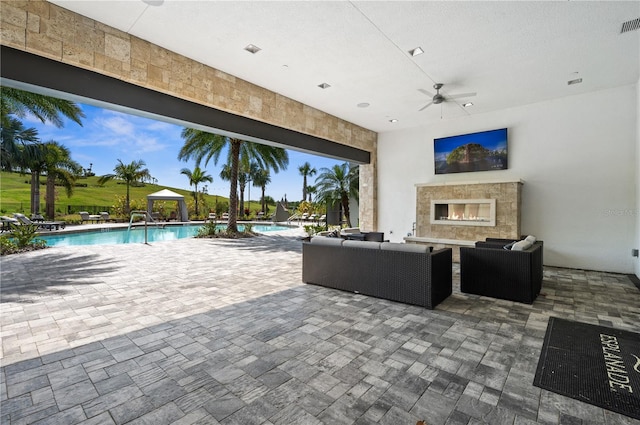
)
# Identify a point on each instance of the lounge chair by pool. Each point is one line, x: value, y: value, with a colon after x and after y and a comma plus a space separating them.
x: 49, y: 225
x: 7, y: 222
x: 85, y: 216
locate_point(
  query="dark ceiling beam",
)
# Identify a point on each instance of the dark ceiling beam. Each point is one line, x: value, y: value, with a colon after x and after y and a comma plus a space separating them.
x: 30, y: 69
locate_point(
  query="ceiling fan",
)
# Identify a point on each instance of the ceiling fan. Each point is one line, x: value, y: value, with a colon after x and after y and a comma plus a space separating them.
x: 439, y: 98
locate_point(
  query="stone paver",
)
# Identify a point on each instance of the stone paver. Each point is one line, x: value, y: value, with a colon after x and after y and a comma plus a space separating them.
x: 209, y: 331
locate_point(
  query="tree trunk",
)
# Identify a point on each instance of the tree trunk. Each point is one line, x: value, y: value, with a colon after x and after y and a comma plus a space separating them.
x: 241, y: 209
x: 35, y: 192
x: 304, y: 187
x: 50, y: 197
x: 264, y: 210
x: 232, y: 224
x: 127, y: 207
x: 196, y: 199
x: 345, y: 206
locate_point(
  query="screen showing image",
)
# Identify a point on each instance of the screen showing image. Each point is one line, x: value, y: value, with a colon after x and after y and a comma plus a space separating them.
x: 483, y: 151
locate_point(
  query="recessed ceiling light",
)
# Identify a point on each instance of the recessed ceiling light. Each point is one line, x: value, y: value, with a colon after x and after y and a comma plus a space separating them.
x: 393, y: 120
x: 153, y: 2
x: 252, y: 48
x: 466, y: 105
x: 324, y: 86
x: 417, y: 51
x: 363, y: 105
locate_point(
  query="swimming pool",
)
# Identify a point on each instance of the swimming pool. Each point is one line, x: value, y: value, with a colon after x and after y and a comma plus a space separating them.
x: 111, y: 236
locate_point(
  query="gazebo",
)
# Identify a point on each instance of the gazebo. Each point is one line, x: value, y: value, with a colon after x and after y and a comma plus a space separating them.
x: 167, y: 195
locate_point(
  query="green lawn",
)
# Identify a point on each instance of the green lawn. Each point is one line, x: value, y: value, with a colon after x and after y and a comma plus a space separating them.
x: 15, y: 194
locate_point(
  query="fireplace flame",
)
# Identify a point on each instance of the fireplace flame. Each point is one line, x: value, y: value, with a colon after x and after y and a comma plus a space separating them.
x: 464, y: 217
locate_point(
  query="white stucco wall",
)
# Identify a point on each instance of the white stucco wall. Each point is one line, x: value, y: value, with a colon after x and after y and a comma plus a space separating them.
x: 637, y: 211
x: 576, y: 155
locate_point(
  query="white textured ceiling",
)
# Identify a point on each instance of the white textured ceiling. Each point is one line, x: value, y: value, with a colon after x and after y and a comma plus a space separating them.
x: 509, y: 53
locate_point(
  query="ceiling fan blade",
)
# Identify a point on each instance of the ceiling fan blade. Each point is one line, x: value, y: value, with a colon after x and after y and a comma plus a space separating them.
x: 425, y: 106
x: 426, y: 92
x: 457, y: 96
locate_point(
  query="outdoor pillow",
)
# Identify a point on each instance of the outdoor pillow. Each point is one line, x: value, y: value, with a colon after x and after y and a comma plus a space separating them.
x: 521, y: 245
x: 530, y: 238
x: 509, y: 245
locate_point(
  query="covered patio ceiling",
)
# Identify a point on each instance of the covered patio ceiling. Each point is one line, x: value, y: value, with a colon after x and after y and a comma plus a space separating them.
x: 509, y: 53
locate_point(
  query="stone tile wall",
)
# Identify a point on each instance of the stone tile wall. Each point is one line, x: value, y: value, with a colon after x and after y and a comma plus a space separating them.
x: 47, y: 30
x: 508, y: 201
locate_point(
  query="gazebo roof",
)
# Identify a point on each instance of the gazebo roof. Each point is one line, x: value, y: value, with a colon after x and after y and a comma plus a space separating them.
x: 165, y: 194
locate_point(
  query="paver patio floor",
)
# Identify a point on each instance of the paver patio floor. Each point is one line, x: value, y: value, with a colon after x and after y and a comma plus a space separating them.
x: 224, y: 332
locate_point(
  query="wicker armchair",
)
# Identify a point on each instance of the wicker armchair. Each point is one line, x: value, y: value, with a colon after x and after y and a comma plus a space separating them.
x: 492, y: 271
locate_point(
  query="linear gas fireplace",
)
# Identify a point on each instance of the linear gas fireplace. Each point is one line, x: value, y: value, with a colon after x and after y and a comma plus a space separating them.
x: 451, y: 215
x: 464, y: 212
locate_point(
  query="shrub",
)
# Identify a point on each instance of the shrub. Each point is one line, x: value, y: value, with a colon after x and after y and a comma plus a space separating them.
x: 210, y: 230
x: 312, y: 229
x: 207, y: 230
x: 21, y: 239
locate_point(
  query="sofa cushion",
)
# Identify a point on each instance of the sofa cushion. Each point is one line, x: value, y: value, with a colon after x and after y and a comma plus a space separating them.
x: 530, y: 238
x: 406, y: 247
x: 521, y: 245
x: 361, y: 244
x: 323, y: 240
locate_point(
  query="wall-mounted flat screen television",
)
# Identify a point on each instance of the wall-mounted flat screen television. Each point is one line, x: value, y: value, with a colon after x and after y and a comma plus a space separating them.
x: 483, y: 151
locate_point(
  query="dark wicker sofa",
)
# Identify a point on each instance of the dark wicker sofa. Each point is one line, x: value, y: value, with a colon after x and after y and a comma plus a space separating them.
x: 492, y: 271
x: 407, y: 273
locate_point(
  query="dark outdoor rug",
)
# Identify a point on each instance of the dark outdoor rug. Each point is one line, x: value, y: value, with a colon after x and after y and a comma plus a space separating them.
x: 594, y: 364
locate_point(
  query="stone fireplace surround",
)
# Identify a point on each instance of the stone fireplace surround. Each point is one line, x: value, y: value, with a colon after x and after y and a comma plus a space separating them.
x: 504, y: 197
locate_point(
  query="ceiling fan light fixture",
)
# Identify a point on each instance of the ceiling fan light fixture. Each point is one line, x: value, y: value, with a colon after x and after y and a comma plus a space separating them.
x: 417, y: 51
x: 252, y: 48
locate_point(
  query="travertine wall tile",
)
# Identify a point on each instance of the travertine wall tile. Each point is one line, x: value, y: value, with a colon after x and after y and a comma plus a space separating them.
x: 13, y: 15
x: 508, y: 202
x: 13, y: 36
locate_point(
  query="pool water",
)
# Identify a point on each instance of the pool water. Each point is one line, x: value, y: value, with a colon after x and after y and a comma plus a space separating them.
x: 110, y: 236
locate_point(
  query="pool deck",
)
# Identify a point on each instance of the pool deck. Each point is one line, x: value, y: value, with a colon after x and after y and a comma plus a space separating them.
x: 214, y: 331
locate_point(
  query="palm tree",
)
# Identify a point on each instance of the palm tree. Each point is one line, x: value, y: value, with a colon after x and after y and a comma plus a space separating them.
x: 18, y: 145
x: 311, y: 190
x: 337, y: 184
x: 261, y: 179
x: 306, y: 171
x: 196, y: 177
x: 19, y: 103
x: 202, y: 145
x: 45, y: 108
x: 60, y: 168
x: 130, y: 173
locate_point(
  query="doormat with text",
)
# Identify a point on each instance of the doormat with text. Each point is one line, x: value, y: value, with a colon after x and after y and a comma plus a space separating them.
x: 594, y: 364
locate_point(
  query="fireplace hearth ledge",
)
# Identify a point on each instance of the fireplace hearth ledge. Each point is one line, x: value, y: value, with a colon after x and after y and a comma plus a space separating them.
x: 457, y: 242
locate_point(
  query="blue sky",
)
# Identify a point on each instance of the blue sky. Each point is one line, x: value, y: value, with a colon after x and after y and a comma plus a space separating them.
x: 108, y: 135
